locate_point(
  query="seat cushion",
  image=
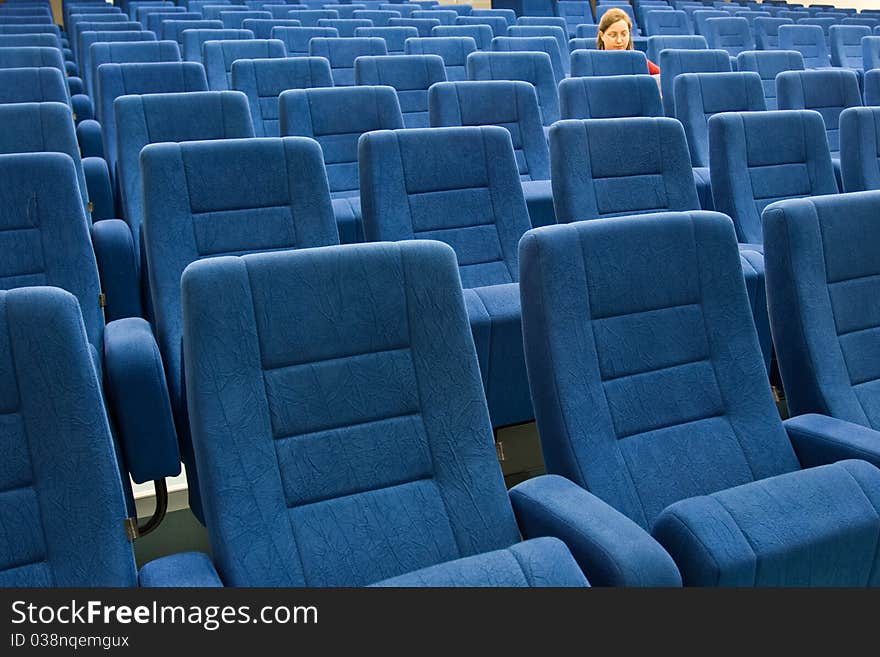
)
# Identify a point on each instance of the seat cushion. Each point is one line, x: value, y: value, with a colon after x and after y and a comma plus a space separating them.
x: 816, y: 527
x: 495, y: 318
x: 539, y: 562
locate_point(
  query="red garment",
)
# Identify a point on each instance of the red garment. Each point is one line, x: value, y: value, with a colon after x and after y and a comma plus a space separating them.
x: 653, y: 69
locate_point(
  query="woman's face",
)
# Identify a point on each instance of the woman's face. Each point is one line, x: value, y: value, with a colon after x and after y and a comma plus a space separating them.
x: 616, y: 37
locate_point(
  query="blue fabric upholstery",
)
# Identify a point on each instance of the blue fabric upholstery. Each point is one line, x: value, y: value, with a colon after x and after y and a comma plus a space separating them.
x: 749, y: 171
x: 132, y: 7
x: 345, y: 26
x: 346, y: 11
x: 809, y: 40
x: 872, y: 88
x: 731, y: 34
x: 582, y: 44
x: 574, y: 12
x: 210, y: 198
x: 172, y: 30
x: 453, y: 50
x: 821, y: 439
x: 380, y: 18
x: 262, y: 80
x: 444, y: 16
x: 156, y: 20
x: 460, y: 186
x: 713, y: 474
x: 531, y: 31
x: 410, y: 75
x: 131, y: 53
x: 79, y: 28
x: 296, y: 39
x: 35, y: 56
x: 33, y: 84
x: 498, y: 24
x: 822, y: 271
x: 700, y: 18
x: 193, y: 40
x: 676, y: 42
x: 768, y: 64
x: 676, y: 61
x: 532, y: 67
x: 336, y: 118
x: 437, y: 507
x: 341, y: 53
x: 860, y: 148
x: 608, y: 62
x: 512, y: 105
x: 846, y: 45
x: 395, y: 37
x: 310, y: 17
x: 587, y: 32
x: 87, y: 39
x: 824, y: 22
x: 609, y: 97
x: 115, y: 80
x: 232, y: 20
x: 544, y: 44
x: 262, y: 27
x: 767, y: 32
x: 659, y: 23
x: 870, y: 56
x: 219, y: 55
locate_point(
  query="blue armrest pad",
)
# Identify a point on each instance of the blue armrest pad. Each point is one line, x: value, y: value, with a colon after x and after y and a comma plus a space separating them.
x: 611, y: 549
x: 71, y: 69
x: 68, y: 54
x: 99, y: 187
x: 138, y: 396
x: 187, y: 569
x: 813, y: 527
x: 819, y: 439
x: 75, y: 84
x: 118, y: 268
x: 83, y: 108
x: 88, y: 135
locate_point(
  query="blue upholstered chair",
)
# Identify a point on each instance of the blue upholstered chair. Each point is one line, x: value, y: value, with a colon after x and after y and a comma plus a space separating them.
x: 210, y: 198
x: 650, y: 393
x: 46, y: 243
x: 379, y: 17
x: 607, y: 62
x: 532, y: 67
x: 33, y: 84
x: 296, y: 39
x: 731, y: 34
x: 263, y: 80
x: 481, y: 34
x: 345, y: 26
x: 262, y: 27
x: 675, y: 42
x: 767, y: 32
x: 821, y: 275
x: 336, y: 118
x: 749, y: 170
x: 768, y: 64
x: 64, y: 519
x: 233, y: 19
x: 342, y: 52
x: 659, y: 23
x: 809, y: 40
x: 846, y: 45
x: 87, y: 39
x: 574, y: 12
x: 676, y: 61
x: 453, y: 50
x: 219, y: 56
x: 395, y: 37
x: 402, y: 488
x: 462, y: 186
x: 172, y: 30
x: 609, y: 97
x: 410, y: 75
x: 860, y: 148
x: 544, y: 44
x: 137, y: 52
x: 528, y: 31
x: 512, y: 105
x: 193, y: 40
x: 310, y: 17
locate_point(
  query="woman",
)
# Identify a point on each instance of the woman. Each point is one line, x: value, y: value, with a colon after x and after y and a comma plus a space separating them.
x: 615, y: 33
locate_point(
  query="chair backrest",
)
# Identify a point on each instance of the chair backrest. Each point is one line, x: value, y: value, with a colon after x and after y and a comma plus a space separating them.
x: 342, y: 52
x: 453, y: 50
x: 380, y: 18
x: 173, y: 29
x: 481, y: 34
x: 262, y: 27
x: 95, y: 26
x: 677, y: 42
x: 587, y: 31
x: 88, y: 39
x: 498, y: 24
x: 581, y: 44
x: 233, y: 19
x: 767, y: 32
x: 219, y: 56
x: 860, y: 148
x: 756, y: 158
x: 410, y: 75
x: 532, y: 30
x: 870, y: 53
x: 846, y: 45
x: 296, y: 39
x: 147, y: 119
x: 822, y: 265
x: 45, y: 230
x: 395, y: 37
x: 507, y: 14
x: 532, y: 67
x: 346, y: 12
x: 828, y: 92
x: 593, y: 179
x: 509, y: 104
x: 768, y: 64
x: 702, y: 15
x: 132, y: 7
x: 730, y: 34
x: 263, y: 80
x: 326, y: 116
x: 700, y: 95
x: 574, y: 13
x: 619, y: 317
x: 155, y: 20
x: 194, y: 40
x: 673, y: 62
x: 310, y: 17
x: 809, y: 40
x: 608, y: 62
x: 63, y: 517
x: 115, y: 80
x: 609, y: 97
x: 429, y: 503
x: 33, y: 85
x: 750, y: 16
x: 467, y: 195
x: 867, y: 21
x: 32, y: 56
x: 666, y: 22
x: 547, y: 45
x: 345, y: 26
x: 30, y: 40
x: 824, y: 23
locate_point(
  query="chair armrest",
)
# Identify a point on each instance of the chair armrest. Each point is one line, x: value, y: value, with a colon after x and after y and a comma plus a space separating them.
x: 74, y: 83
x: 83, y: 108
x: 88, y: 136
x: 820, y: 439
x: 118, y: 268
x: 71, y: 69
x: 610, y: 548
x: 187, y: 569
x: 139, y: 402
x: 100, y: 189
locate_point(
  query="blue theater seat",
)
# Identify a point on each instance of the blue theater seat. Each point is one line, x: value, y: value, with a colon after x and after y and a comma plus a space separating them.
x: 607, y: 62
x: 545, y: 44
x: 846, y: 45
x: 403, y: 488
x: 345, y: 26
x: 676, y: 61
x: 676, y: 42
x: 410, y: 75
x: 530, y: 31
x: 609, y: 97
x: 88, y: 39
x: 172, y: 30
x: 767, y: 32
x: 296, y: 39
x: 860, y: 148
x: 262, y: 27
x: 219, y: 55
x: 193, y: 40
x: 395, y: 37
x: 136, y: 52
x: 809, y: 40
x: 650, y: 393
x: 768, y: 64
x: 342, y: 52
x: 453, y: 50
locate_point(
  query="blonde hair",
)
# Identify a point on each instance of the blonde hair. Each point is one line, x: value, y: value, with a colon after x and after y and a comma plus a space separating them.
x: 609, y: 18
